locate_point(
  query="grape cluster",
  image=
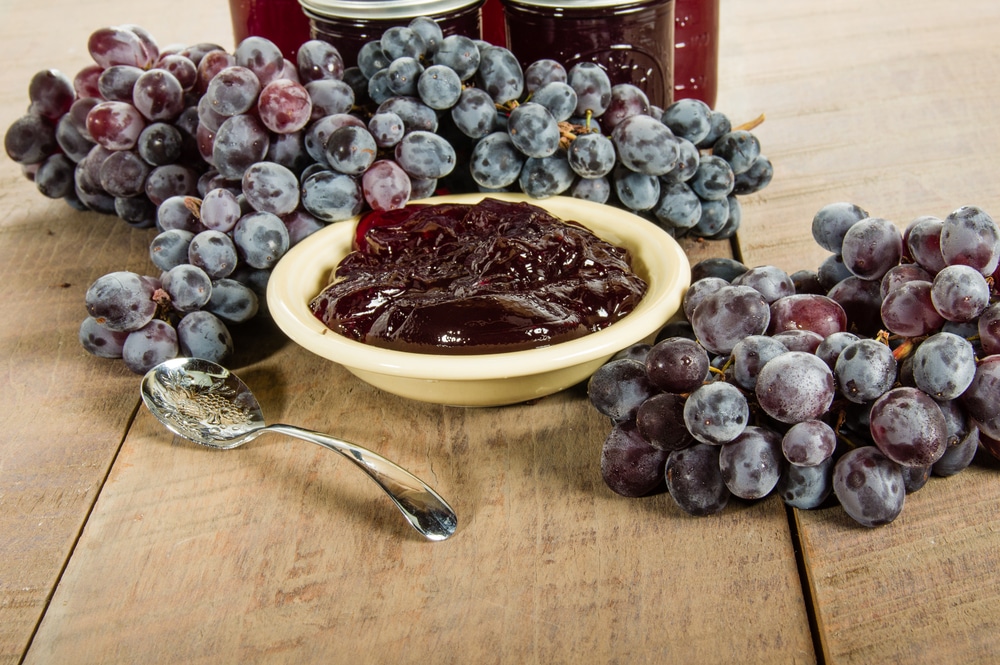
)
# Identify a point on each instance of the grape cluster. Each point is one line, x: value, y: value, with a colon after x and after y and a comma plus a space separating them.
x: 544, y: 131
x: 852, y: 383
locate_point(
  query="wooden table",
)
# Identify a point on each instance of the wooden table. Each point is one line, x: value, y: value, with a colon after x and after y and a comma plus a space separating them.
x: 122, y: 544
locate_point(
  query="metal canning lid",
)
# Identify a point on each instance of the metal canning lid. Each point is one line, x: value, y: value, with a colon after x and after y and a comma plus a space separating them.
x: 383, y: 9
x: 585, y: 4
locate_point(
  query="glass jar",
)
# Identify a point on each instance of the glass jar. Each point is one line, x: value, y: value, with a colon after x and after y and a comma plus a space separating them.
x: 349, y: 24
x: 696, y: 49
x: 281, y: 21
x: 632, y: 40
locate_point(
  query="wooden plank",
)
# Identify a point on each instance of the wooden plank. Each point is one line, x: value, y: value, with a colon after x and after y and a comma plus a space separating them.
x: 280, y: 551
x: 885, y: 105
x: 64, y: 413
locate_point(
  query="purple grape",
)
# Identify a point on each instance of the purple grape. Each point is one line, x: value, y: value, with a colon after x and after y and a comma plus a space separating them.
x: 101, y: 342
x: 751, y: 464
x: 908, y: 427
x: 660, y: 420
x: 695, y: 481
x: 794, y: 387
x: 809, y: 443
x: 716, y: 413
x: 727, y: 315
x: 677, y: 365
x: 618, y: 388
x: 154, y: 343
x: 865, y: 370
x: 629, y: 465
x: 121, y: 301
x: 872, y: 246
x: 869, y: 486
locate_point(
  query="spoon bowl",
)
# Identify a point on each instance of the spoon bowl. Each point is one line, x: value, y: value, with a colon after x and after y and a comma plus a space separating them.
x: 205, y: 403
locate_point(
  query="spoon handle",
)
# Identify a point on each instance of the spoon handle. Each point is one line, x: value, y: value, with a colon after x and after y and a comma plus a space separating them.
x: 423, y: 508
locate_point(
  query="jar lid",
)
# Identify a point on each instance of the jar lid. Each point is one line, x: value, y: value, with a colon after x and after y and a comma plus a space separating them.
x: 579, y: 4
x: 383, y: 9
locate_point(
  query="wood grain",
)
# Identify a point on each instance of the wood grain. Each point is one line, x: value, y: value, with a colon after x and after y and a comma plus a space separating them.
x: 279, y: 552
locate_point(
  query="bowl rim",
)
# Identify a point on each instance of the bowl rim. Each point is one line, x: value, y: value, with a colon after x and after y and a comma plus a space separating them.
x: 671, y: 270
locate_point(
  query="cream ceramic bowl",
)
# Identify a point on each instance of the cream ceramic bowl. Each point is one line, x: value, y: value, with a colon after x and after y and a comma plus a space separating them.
x: 491, y: 379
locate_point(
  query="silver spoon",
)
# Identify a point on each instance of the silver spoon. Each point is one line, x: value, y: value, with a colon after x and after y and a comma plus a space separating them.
x: 206, y: 403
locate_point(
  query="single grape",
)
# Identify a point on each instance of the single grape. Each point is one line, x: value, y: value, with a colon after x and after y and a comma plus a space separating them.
x: 534, y: 130
x: 909, y: 310
x: 386, y: 186
x: 871, y: 246
x: 981, y: 399
x: 558, y: 97
x: 716, y: 413
x: 627, y: 100
x: 862, y: 301
x: 183, y: 69
x: 158, y: 95
x: 831, y: 223
x: 270, y: 187
x: 386, y: 128
x: 115, y: 125
x: 214, y: 252
x: 117, y: 82
x: 636, y: 191
x: 499, y: 74
x: 154, y: 343
x: 770, y: 281
x: 261, y: 239
x: 869, y: 486
x: 474, y: 113
x: 99, y: 341
x: 318, y: 60
x: 188, y: 286
x: 865, y: 370
x: 284, y: 106
x: 970, y: 237
x: 402, y: 76
x: 908, y: 427
x: 416, y: 115
x: 809, y: 443
x: 233, y: 91
x: 423, y: 154
x: 629, y: 465
x: 331, y: 197
x: 121, y: 301
x: 170, y: 248
x: 739, y: 148
x: 660, y: 420
x: 240, y: 142
x: 960, y: 293
x: 795, y: 386
x: 751, y: 464
x: 541, y: 72
x: 944, y: 365
x: 804, y: 311
x: 724, y: 317
x: 203, y: 335
x: 618, y: 388
x: 833, y: 345
x: 542, y: 177
x: 591, y: 155
x: 923, y: 243
x: 597, y: 190
x: 592, y: 87
x: 178, y: 212
x: 329, y: 97
x: 124, y: 173
x: 644, y: 146
x: 806, y: 487
x: 677, y: 365
x: 689, y: 118
x: 232, y: 301
x: 351, y: 150
x: 55, y: 177
x: 460, y: 54
x: 429, y: 31
x: 262, y: 57
x: 118, y: 46
x: 679, y: 208
x: 439, y: 87
x: 402, y: 41
x: 695, y: 481
x: 901, y: 274
x: 988, y: 328
x: 750, y: 354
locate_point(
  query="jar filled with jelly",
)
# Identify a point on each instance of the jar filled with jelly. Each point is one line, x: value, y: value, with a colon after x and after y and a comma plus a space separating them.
x: 696, y: 49
x: 349, y: 24
x: 281, y: 21
x: 633, y: 40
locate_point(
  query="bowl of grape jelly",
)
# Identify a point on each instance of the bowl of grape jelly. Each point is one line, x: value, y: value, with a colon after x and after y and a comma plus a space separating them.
x: 490, y: 345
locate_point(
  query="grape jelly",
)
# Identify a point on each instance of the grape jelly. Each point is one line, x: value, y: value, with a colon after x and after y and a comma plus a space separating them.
x: 349, y: 24
x: 281, y: 21
x: 696, y: 50
x: 470, y: 279
x: 632, y: 40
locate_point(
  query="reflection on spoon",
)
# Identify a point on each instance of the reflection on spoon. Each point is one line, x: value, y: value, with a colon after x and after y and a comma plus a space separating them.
x: 206, y: 403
